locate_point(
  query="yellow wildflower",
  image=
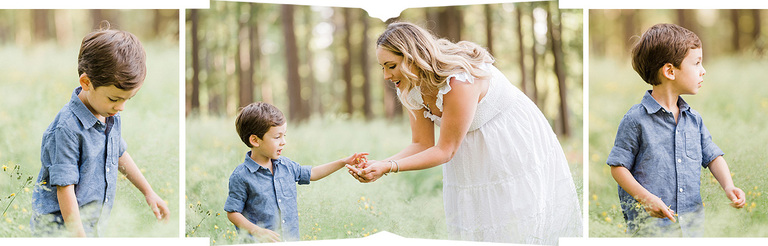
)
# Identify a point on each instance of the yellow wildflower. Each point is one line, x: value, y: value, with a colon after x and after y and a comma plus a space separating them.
x: 5, y: 168
x: 215, y: 227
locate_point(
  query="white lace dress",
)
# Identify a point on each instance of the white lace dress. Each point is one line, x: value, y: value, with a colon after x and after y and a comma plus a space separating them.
x: 509, y: 180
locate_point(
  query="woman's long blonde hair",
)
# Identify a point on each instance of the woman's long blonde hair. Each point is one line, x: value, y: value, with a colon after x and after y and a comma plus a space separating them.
x: 434, y: 59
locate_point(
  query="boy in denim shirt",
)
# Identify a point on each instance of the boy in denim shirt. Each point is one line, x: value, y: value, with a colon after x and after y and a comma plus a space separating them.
x: 662, y: 142
x: 83, y: 148
x: 262, y: 190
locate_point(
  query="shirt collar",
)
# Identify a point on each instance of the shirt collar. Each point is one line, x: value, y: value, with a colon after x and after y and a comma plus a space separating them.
x: 253, y: 167
x: 81, y: 111
x: 652, y: 106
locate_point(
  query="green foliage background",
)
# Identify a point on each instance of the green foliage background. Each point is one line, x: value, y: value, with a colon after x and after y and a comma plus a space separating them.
x: 734, y: 104
x: 408, y: 204
x: 37, y: 81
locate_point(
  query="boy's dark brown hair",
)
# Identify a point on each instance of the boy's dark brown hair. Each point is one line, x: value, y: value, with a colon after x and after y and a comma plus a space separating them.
x: 112, y: 57
x: 659, y: 45
x: 256, y: 119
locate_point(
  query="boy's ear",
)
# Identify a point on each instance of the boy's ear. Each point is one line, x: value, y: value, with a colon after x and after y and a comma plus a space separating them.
x: 254, y: 140
x: 668, y: 71
x: 85, y: 82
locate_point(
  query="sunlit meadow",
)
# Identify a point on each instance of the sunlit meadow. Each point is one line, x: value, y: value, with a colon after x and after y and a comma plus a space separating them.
x: 733, y: 102
x: 408, y: 204
x: 36, y: 83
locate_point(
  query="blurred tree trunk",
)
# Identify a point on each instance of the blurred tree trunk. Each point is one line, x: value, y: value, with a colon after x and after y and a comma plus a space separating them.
x: 265, y: 85
x: 535, y: 58
x: 736, y: 27
x: 392, y: 107
x: 630, y: 27
x: 597, y: 25
x: 364, y: 50
x: 41, y: 27
x: 554, y: 30
x: 314, y: 104
x: 685, y: 18
x: 158, y: 23
x: 194, y: 98
x: 347, y: 65
x: 292, y: 64
x: 244, y: 62
x: 63, y: 25
x: 488, y: 27
x: 521, y: 48
x: 97, y: 15
x: 449, y: 21
x: 757, y: 30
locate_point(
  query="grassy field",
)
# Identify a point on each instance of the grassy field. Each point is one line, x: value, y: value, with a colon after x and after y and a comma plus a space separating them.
x: 407, y: 204
x: 734, y: 104
x: 36, y: 83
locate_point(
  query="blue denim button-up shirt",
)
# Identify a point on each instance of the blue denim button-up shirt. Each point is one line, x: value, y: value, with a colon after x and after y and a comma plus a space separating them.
x: 79, y: 149
x: 664, y: 157
x: 268, y: 200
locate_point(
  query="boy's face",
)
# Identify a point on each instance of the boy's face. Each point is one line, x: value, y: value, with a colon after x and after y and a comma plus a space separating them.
x: 106, y: 101
x: 271, y: 145
x: 690, y: 74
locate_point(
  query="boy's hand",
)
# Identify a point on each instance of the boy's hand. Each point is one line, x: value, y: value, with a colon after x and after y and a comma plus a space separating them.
x: 357, y: 159
x: 657, y: 208
x: 736, y: 196
x: 265, y: 235
x: 158, y: 206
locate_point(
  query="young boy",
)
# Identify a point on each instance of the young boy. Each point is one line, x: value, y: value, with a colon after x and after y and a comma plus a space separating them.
x: 262, y: 190
x: 662, y: 143
x: 83, y: 148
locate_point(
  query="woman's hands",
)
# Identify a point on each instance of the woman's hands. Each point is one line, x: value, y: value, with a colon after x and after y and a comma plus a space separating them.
x: 369, y: 171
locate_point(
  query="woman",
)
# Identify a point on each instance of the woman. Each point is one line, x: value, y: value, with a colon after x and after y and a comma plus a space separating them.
x: 505, y: 177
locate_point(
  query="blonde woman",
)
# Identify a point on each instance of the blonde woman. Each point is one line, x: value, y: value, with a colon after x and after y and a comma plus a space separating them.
x: 505, y: 176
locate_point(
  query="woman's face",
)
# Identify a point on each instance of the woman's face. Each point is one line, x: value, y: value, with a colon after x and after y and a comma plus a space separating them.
x: 389, y: 63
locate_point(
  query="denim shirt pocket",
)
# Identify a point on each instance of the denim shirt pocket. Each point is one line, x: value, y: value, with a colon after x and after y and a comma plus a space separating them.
x: 288, y: 186
x: 693, y: 145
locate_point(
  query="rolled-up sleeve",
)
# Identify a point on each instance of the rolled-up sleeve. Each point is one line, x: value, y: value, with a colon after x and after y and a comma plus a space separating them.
x: 301, y: 173
x: 123, y: 147
x: 709, y: 150
x: 64, y: 169
x: 626, y: 145
x: 237, y: 195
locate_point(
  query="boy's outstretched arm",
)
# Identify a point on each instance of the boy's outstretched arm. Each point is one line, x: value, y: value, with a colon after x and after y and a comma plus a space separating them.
x: 263, y: 234
x: 719, y: 168
x: 70, y: 210
x: 131, y: 171
x: 324, y: 170
x: 652, y: 203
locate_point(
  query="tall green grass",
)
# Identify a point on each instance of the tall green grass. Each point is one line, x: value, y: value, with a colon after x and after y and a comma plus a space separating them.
x: 407, y: 204
x: 733, y: 102
x: 37, y: 82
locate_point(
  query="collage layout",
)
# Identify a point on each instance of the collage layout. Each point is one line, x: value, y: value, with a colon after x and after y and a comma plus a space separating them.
x: 522, y: 123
